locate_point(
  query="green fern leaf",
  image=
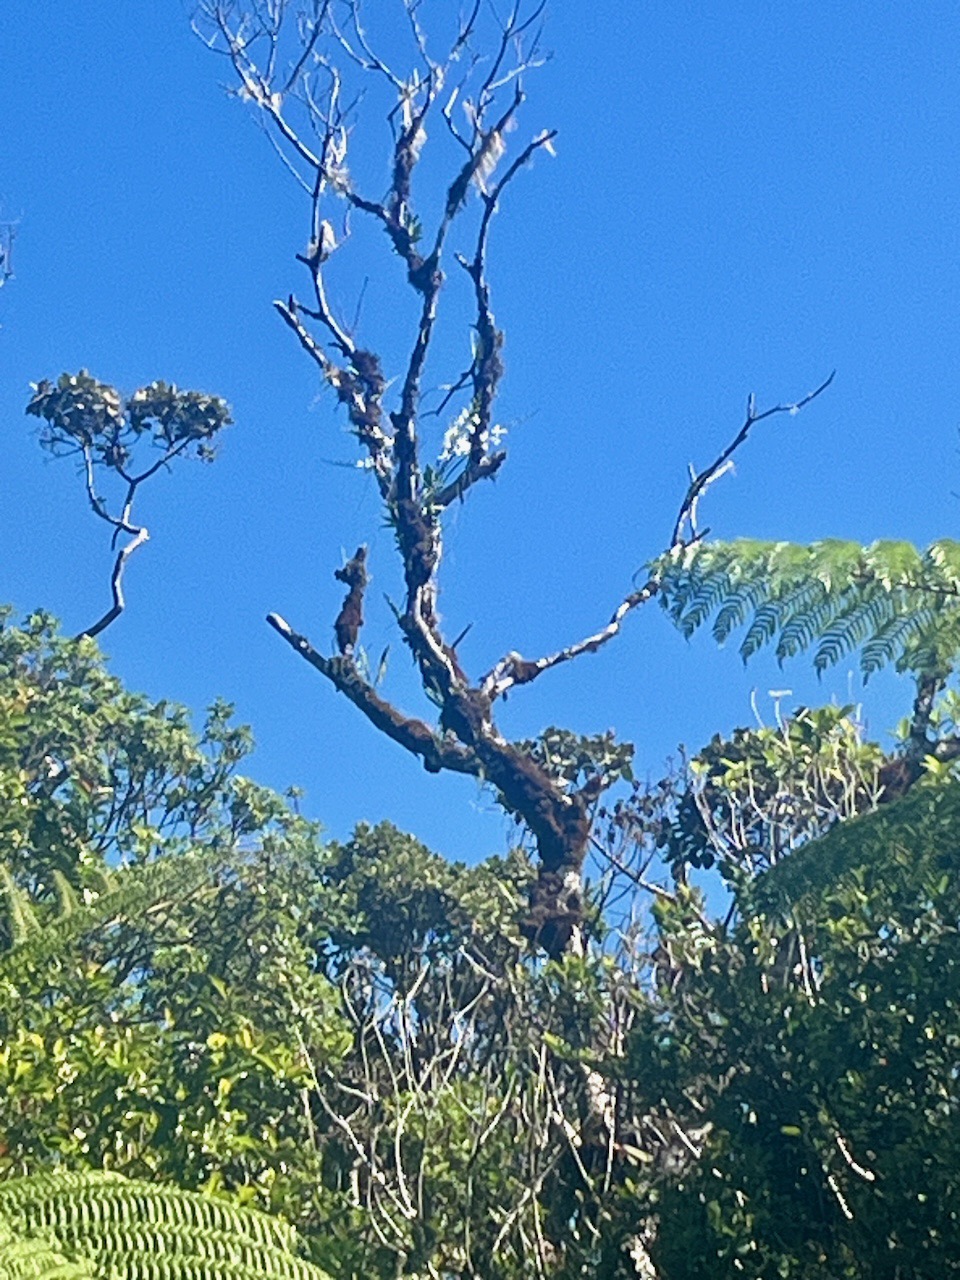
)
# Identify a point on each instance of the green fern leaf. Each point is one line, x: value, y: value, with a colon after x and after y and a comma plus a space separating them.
x: 942, y: 558
x: 850, y: 629
x: 133, y: 891
x: 802, y: 630
x: 702, y: 602
x: 833, y: 596
x: 893, y: 563
x: 880, y: 650
x: 932, y: 649
x: 837, y: 563
x: 762, y: 629
x: 734, y: 611
x: 129, y: 1230
x: 25, y: 1257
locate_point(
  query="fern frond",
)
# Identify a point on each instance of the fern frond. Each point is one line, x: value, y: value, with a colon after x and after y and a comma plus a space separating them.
x: 934, y: 646
x: 186, y: 1243
x: 737, y: 607
x: 837, y: 563
x: 852, y: 628
x: 140, y: 1231
x: 793, y: 597
x: 762, y: 629
x: 892, y: 564
x: 834, y: 596
x: 132, y: 892
x: 890, y: 639
x: 691, y: 599
x: 788, y: 562
x: 801, y: 630
x: 707, y: 596
x: 943, y: 559
x: 24, y: 1257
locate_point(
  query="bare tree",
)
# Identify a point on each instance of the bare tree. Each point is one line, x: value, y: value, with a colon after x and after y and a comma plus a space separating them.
x: 305, y: 69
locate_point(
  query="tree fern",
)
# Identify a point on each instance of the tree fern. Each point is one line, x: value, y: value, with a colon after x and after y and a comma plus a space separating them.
x: 889, y: 601
x: 128, y: 894
x: 120, y: 1229
x: 25, y: 1257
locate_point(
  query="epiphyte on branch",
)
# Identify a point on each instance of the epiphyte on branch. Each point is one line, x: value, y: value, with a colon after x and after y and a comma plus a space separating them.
x: 350, y: 618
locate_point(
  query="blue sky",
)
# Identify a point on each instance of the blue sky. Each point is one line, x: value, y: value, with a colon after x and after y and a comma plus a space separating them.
x: 744, y: 198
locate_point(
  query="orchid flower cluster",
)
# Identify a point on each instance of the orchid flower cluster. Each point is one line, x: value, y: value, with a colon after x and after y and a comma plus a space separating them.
x: 459, y: 435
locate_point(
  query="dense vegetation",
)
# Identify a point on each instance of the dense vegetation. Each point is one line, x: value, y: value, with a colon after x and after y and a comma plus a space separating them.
x: 195, y: 989
x: 702, y: 1028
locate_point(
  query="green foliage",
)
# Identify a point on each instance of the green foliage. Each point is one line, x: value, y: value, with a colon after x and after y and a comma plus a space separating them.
x: 889, y: 601
x: 92, y: 776
x: 29, y: 1257
x: 119, y: 1229
x: 407, y: 906
x: 159, y: 993
x: 80, y: 413
x: 196, y: 992
x: 815, y: 1053
x: 168, y: 1029
x: 760, y: 794
x: 575, y: 758
x: 209, y: 998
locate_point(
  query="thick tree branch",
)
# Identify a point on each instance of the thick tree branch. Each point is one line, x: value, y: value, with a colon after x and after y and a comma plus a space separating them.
x: 350, y: 618
x: 437, y: 751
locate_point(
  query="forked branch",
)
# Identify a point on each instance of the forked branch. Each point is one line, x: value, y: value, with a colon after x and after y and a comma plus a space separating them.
x: 311, y: 109
x: 515, y: 670
x: 84, y: 417
x: 700, y: 481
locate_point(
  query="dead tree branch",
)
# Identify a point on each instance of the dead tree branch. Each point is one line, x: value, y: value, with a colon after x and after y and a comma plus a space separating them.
x: 514, y: 670
x: 700, y: 481
x: 304, y: 78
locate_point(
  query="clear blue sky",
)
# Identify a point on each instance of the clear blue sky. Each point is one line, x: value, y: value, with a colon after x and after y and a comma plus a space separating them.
x: 745, y: 197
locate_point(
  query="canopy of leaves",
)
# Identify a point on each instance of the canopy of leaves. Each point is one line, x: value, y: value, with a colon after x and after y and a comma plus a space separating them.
x: 81, y: 414
x: 157, y: 949
x: 816, y: 1049
x: 92, y: 776
x: 196, y: 991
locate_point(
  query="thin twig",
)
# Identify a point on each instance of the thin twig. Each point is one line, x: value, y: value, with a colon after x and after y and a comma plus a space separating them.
x: 702, y: 479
